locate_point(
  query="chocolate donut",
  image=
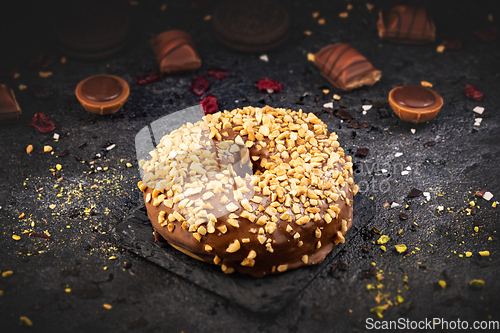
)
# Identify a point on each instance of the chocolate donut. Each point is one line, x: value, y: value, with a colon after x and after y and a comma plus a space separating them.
x: 256, y: 190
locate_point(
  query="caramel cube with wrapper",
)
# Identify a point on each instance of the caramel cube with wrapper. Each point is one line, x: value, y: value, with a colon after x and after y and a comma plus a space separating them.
x: 345, y: 67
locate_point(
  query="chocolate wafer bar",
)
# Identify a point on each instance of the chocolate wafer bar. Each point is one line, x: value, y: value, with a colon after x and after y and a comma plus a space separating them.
x: 407, y: 25
x: 345, y: 67
x: 175, y: 52
x: 9, y: 109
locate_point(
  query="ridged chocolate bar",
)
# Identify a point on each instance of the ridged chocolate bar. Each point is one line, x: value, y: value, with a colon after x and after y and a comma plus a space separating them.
x: 345, y: 67
x: 407, y: 25
x: 175, y: 52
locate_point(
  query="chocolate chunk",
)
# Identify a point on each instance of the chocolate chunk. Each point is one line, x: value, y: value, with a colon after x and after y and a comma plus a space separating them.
x: 364, y: 124
x: 362, y: 152
x: 344, y: 115
x: 102, y: 94
x: 9, y: 109
x: 407, y: 25
x: 429, y: 143
x: 175, y: 52
x: 366, y: 249
x: 368, y: 273
x: 345, y: 67
x: 251, y: 25
x: 414, y: 193
x: 353, y: 124
x: 403, y: 216
x: 415, y: 104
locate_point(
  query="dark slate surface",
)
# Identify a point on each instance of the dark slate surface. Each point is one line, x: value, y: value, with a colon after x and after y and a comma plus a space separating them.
x: 61, y: 283
x: 268, y: 294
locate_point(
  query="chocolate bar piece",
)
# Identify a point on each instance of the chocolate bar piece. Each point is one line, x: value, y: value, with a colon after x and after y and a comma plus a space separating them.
x: 345, y: 67
x: 9, y: 109
x: 175, y: 52
x: 407, y: 25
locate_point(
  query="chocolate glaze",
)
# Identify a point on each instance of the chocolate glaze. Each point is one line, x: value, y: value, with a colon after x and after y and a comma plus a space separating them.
x: 409, y: 25
x: 345, y: 67
x: 101, y: 89
x: 413, y: 96
x: 175, y: 52
x: 285, y: 246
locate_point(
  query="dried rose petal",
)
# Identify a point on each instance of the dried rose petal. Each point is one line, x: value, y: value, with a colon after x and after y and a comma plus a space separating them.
x: 8, y: 72
x: 269, y: 84
x: 473, y: 93
x: 454, y: 43
x: 148, y: 78
x: 217, y: 73
x: 40, y: 60
x: 487, y: 33
x: 42, y: 123
x: 199, y: 85
x: 41, y: 93
x: 209, y: 104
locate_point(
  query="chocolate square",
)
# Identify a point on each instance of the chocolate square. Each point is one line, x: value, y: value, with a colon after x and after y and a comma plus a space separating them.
x: 9, y: 109
x: 407, y: 25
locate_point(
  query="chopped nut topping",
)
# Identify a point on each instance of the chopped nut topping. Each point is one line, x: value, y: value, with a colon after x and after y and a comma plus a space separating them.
x: 305, y: 258
x: 208, y: 248
x: 282, y: 268
x: 233, y: 247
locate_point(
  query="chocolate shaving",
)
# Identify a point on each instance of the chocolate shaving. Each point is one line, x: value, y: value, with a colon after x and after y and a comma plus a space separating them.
x: 82, y: 144
x: 429, y: 143
x: 403, y: 216
x: 365, y: 249
x: 62, y: 153
x: 414, y: 193
x: 364, y: 124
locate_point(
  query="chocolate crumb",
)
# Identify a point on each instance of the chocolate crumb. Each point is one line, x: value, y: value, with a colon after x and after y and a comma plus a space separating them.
x: 479, y: 223
x: 138, y: 323
x: 87, y: 291
x: 82, y: 144
x: 429, y: 143
x: 362, y: 152
x: 473, y: 211
x: 415, y: 193
x: 379, y: 105
x: 365, y: 249
x: 62, y: 153
x: 364, y: 124
x: 403, y: 216
x: 353, y: 124
x: 368, y: 273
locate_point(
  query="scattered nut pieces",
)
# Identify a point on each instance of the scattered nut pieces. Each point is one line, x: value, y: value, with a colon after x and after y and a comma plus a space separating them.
x: 440, y: 48
x: 477, y: 284
x: 29, y: 149
x: 47, y: 149
x: 344, y: 15
x: 44, y: 74
x: 400, y: 248
x: 321, y: 21
x: 426, y: 84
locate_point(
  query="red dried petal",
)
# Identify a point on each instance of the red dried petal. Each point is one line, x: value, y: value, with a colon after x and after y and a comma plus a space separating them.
x: 217, y: 73
x: 473, y: 93
x: 40, y: 60
x: 199, y: 85
x: 42, y: 123
x: 487, y: 33
x: 454, y: 43
x: 269, y: 84
x: 209, y: 104
x: 148, y: 78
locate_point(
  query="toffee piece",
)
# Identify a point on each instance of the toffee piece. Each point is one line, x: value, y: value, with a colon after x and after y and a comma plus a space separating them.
x: 102, y: 94
x: 251, y: 25
x: 415, y: 104
x: 407, y: 25
x: 9, y: 109
x: 175, y: 52
x: 345, y: 67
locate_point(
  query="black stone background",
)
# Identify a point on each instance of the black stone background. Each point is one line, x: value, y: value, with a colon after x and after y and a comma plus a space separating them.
x: 144, y: 295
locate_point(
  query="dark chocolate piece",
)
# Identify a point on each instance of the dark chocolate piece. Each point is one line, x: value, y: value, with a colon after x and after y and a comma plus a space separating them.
x: 345, y: 67
x: 102, y: 94
x: 251, y: 25
x: 407, y: 25
x: 101, y: 88
x: 415, y: 104
x: 9, y: 109
x: 175, y: 52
